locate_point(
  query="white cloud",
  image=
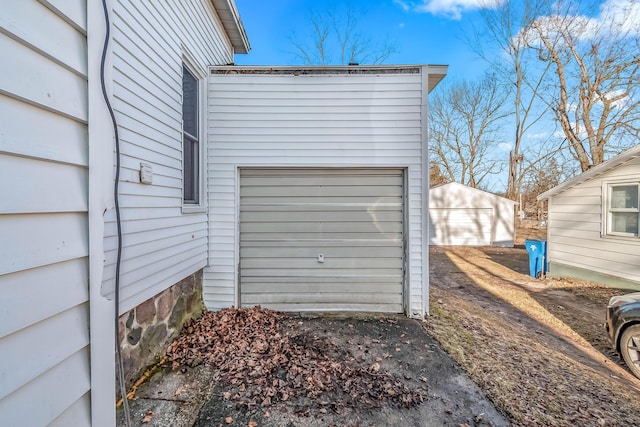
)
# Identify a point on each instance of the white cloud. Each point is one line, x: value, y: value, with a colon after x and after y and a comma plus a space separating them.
x: 450, y: 8
x: 538, y: 135
x: 403, y: 5
x: 622, y: 100
x: 579, y: 130
x: 505, y: 146
x: 617, y: 17
x: 624, y: 15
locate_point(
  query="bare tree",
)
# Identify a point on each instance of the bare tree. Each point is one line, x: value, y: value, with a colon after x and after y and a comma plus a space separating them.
x: 435, y: 175
x: 596, y: 93
x: 463, y: 131
x: 335, y: 38
x: 518, y: 70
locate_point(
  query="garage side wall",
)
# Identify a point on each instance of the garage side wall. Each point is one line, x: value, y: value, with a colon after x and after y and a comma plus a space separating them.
x: 309, y: 120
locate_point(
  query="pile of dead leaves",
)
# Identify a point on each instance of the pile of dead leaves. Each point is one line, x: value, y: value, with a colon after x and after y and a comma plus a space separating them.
x: 261, y: 363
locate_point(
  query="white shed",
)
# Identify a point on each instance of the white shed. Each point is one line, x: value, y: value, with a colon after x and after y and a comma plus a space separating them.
x: 317, y: 188
x: 461, y: 215
x: 593, y: 223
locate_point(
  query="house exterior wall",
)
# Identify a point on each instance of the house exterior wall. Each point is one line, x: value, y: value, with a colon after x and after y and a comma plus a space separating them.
x: 576, y: 242
x: 316, y: 119
x: 44, y: 255
x: 486, y: 215
x: 162, y: 242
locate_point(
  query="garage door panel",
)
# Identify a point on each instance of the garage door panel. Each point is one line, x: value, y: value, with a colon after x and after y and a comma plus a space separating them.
x: 330, y: 262
x: 287, y: 216
x: 323, y: 298
x: 286, y: 237
x: 353, y: 217
x: 278, y: 251
x: 337, y: 273
x: 332, y: 286
x: 326, y: 207
x: 335, y: 307
x: 322, y: 227
x: 303, y: 180
x: 320, y: 201
x: 343, y: 243
x: 332, y: 191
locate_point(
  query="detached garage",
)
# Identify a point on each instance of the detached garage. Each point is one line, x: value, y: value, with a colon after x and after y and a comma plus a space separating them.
x: 317, y: 188
x: 465, y: 216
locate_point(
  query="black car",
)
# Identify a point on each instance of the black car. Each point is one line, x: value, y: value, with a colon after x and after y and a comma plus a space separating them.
x: 623, y: 327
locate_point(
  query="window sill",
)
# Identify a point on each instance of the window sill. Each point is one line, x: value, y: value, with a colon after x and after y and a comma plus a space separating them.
x: 621, y: 237
x: 189, y: 209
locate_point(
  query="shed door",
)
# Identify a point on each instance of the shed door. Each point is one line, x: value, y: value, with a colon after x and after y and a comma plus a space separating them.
x: 322, y: 240
x: 460, y: 226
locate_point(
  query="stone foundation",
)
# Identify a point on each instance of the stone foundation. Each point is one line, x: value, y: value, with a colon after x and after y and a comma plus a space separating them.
x: 147, y: 330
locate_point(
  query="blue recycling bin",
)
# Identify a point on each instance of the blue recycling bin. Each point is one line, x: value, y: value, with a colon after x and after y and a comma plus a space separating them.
x: 537, y: 249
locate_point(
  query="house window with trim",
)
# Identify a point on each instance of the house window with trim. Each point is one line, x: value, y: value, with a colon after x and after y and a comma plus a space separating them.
x: 190, y: 138
x: 623, y: 209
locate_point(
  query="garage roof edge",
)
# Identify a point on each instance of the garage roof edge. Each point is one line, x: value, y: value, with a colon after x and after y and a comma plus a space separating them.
x: 436, y: 72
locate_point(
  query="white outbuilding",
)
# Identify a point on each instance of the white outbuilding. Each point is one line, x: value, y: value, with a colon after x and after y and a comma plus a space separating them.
x: 465, y: 216
x: 317, y: 188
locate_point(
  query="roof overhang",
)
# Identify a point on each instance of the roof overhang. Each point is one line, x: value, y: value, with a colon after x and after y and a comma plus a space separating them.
x: 602, y: 168
x: 232, y: 25
x: 435, y: 72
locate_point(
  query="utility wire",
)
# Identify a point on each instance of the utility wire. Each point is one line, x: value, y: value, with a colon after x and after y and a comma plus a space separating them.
x: 120, y: 365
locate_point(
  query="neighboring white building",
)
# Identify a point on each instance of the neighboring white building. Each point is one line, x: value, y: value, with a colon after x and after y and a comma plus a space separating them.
x: 318, y: 188
x: 57, y: 229
x: 593, y: 223
x: 461, y: 215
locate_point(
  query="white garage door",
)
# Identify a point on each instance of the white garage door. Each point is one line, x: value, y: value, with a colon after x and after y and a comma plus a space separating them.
x: 322, y: 240
x: 459, y: 226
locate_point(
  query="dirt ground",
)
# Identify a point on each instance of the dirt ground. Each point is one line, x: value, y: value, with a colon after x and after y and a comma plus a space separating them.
x: 537, y: 348
x: 406, y: 356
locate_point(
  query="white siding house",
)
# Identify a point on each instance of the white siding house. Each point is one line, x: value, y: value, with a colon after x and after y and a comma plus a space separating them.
x: 56, y: 184
x: 593, y: 223
x: 164, y: 239
x: 317, y: 188
x: 461, y: 215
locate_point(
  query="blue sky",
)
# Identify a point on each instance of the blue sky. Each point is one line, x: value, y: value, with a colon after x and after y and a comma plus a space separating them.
x: 421, y: 36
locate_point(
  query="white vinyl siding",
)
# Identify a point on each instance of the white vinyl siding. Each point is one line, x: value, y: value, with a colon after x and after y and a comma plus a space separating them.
x: 161, y: 243
x: 577, y: 228
x: 461, y: 215
x: 311, y: 120
x: 44, y: 278
x: 460, y: 226
x: 322, y: 239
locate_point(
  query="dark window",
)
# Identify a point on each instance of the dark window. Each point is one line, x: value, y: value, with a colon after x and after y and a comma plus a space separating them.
x: 190, y: 138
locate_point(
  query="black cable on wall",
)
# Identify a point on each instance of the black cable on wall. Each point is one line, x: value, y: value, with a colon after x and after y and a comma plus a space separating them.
x: 120, y: 366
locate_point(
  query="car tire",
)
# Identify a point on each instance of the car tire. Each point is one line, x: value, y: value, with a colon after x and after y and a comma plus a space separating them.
x: 630, y: 348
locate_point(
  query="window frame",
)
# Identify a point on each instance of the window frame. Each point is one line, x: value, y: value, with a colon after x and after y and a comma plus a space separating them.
x: 609, y: 211
x: 199, y: 204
